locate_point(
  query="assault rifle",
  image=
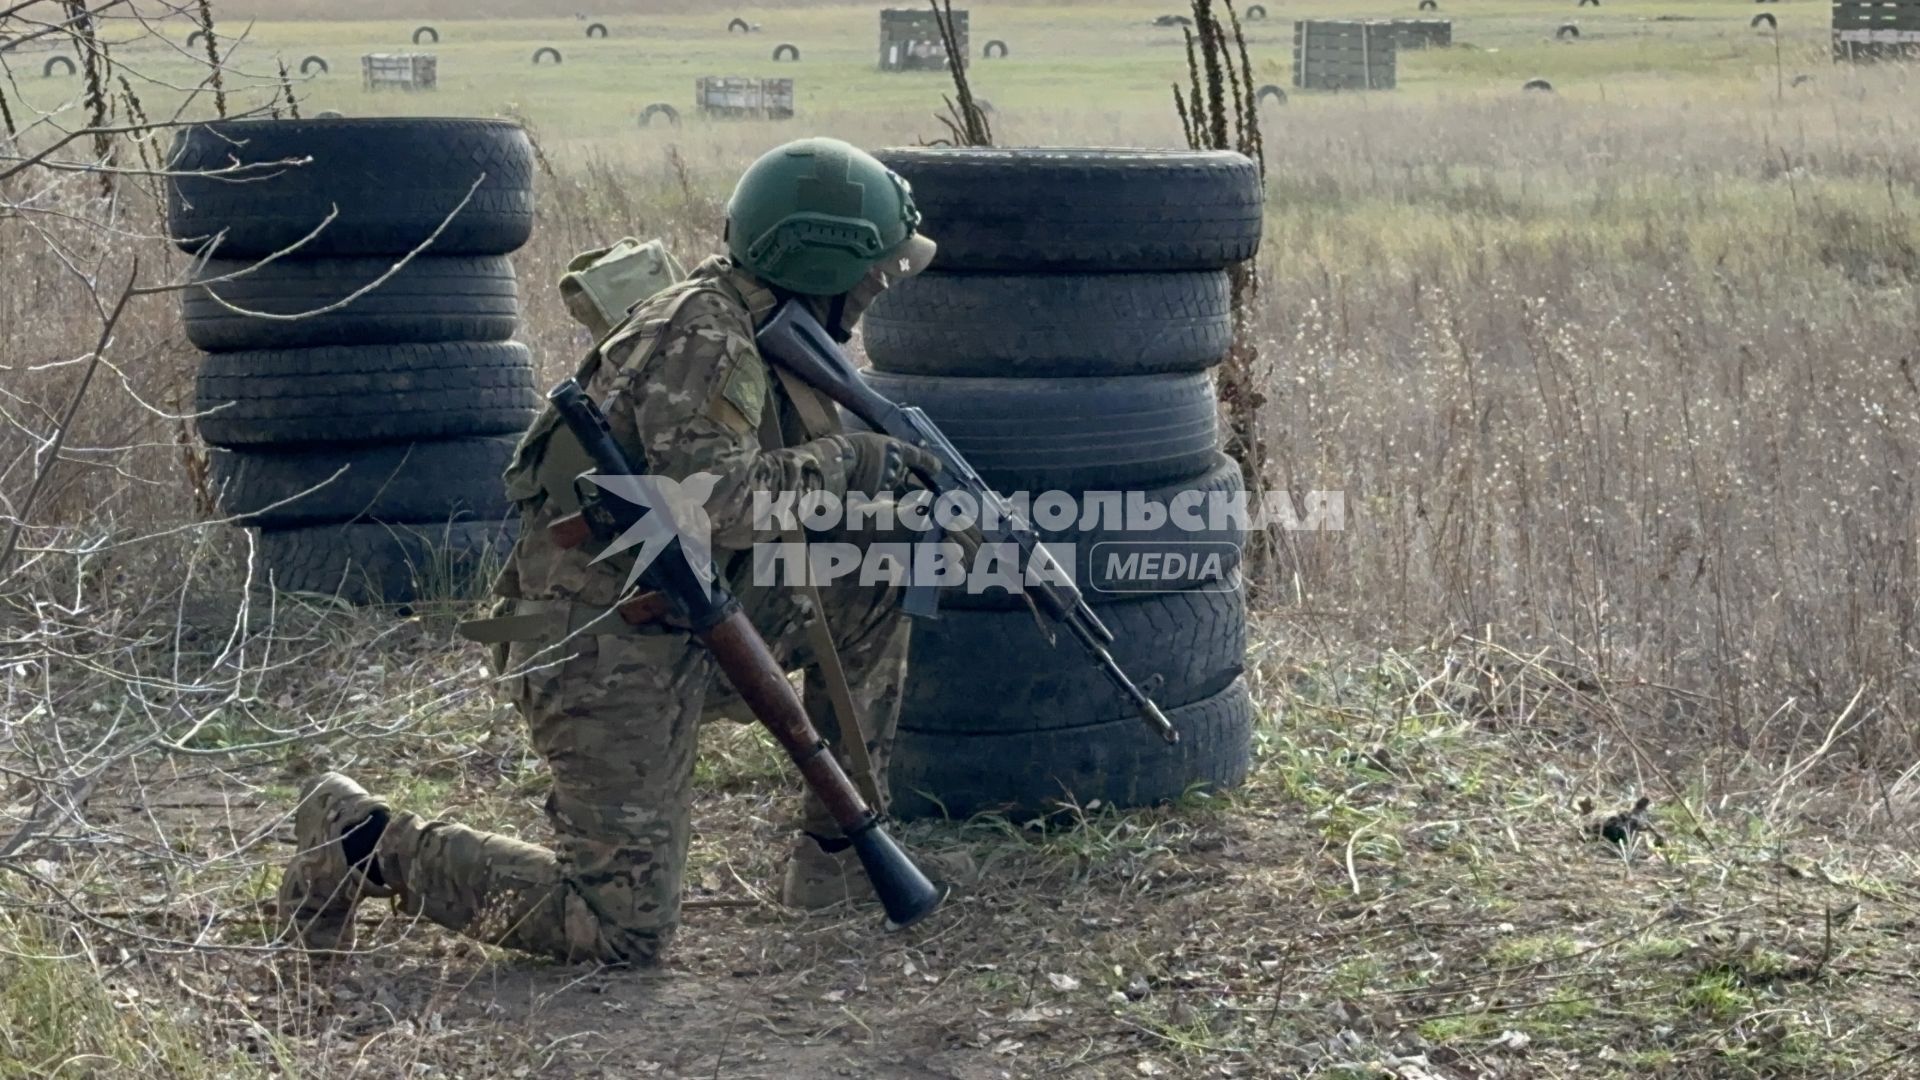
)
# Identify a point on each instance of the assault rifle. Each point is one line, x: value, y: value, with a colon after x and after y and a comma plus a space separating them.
x: 797, y: 342
x: 698, y: 596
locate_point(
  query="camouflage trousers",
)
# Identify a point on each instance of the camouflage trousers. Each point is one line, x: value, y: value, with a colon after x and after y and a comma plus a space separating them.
x: 617, y: 719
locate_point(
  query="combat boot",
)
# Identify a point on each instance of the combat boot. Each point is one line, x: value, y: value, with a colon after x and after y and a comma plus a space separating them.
x: 336, y: 829
x: 817, y: 878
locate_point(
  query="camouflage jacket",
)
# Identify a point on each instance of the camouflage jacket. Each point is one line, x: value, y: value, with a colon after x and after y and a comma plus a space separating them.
x: 686, y: 391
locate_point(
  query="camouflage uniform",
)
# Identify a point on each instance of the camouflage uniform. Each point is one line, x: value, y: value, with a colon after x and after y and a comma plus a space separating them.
x: 616, y: 713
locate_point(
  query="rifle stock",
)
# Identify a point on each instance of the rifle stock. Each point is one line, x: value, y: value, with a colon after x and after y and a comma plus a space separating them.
x: 722, y: 627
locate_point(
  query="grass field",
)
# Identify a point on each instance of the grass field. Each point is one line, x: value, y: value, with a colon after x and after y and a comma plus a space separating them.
x: 1072, y: 70
x: 1618, y: 382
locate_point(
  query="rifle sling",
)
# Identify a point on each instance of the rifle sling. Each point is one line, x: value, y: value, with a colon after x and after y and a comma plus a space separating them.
x: 818, y: 417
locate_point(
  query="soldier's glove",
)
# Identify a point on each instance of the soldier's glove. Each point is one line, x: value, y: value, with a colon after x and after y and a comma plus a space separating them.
x: 882, y: 463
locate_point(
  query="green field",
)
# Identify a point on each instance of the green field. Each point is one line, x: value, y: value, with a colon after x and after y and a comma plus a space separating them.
x: 1073, y: 70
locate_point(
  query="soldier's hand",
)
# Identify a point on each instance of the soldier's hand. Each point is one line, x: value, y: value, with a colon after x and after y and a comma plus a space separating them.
x: 882, y: 463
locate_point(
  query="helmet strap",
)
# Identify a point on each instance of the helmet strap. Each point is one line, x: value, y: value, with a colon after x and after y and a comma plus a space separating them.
x: 836, y: 314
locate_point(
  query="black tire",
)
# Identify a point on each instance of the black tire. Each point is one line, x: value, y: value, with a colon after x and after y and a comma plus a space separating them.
x: 659, y: 108
x: 374, y: 393
x: 448, y: 480
x: 1539, y: 85
x: 1765, y: 19
x: 792, y: 52
x: 1256, y: 12
x: 392, y: 181
x: 390, y: 564
x: 46, y: 70
x: 1092, y: 434
x: 426, y: 31
x: 546, y: 50
x: 1029, y: 774
x: 195, y: 38
x: 1429, y: 5
x: 311, y: 62
x: 1568, y: 32
x: 432, y: 298
x: 1195, y: 642
x: 1019, y: 325
x: 1585, y: 3
x: 987, y: 52
x: 1094, y: 550
x: 1270, y: 91
x: 741, y: 25
x: 1043, y: 210
x: 596, y: 30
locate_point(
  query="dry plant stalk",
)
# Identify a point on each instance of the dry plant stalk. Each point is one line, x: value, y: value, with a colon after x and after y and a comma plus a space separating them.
x: 215, y: 79
x: 1219, y: 112
x: 965, y: 121
x: 95, y: 68
x: 286, y: 91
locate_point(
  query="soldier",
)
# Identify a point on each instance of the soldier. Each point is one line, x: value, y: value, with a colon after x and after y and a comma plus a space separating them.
x: 615, y: 708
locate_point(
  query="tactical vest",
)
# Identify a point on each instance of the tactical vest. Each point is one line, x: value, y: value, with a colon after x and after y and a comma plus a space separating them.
x: 548, y: 458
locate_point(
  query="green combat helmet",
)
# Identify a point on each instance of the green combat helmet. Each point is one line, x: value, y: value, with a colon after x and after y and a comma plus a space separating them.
x: 814, y: 216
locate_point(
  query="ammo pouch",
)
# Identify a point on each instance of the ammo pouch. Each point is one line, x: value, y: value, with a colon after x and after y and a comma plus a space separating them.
x: 601, y: 286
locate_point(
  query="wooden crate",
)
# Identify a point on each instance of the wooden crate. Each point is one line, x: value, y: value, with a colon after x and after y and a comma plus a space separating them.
x: 400, y: 71
x: 1422, y: 33
x: 743, y: 96
x: 910, y: 40
x: 1876, y: 29
x: 1344, y: 55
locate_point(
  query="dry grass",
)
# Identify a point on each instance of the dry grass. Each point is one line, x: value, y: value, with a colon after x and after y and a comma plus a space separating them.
x: 1620, y: 396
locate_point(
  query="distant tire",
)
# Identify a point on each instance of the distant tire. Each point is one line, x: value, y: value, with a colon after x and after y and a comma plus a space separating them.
x: 1765, y: 19
x: 1028, y: 774
x: 46, y: 70
x: 1537, y: 85
x: 659, y: 108
x: 741, y: 25
x: 596, y: 30
x: 1255, y: 13
x: 1429, y: 5
x: 1270, y: 91
x: 311, y: 62
x: 446, y: 480
x: 1195, y: 642
x: 1095, y: 550
x: 426, y: 32
x: 1587, y: 3
x: 364, y: 394
x: 387, y: 184
x: 546, y: 51
x: 194, y: 39
x: 1045, y: 210
x: 1019, y: 325
x: 1567, y: 32
x: 387, y: 564
x: 432, y: 298
x: 988, y: 52
x: 786, y: 51
x: 1091, y: 434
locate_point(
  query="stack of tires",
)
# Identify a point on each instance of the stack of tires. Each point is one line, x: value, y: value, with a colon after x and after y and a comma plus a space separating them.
x: 1062, y: 340
x: 361, y: 405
